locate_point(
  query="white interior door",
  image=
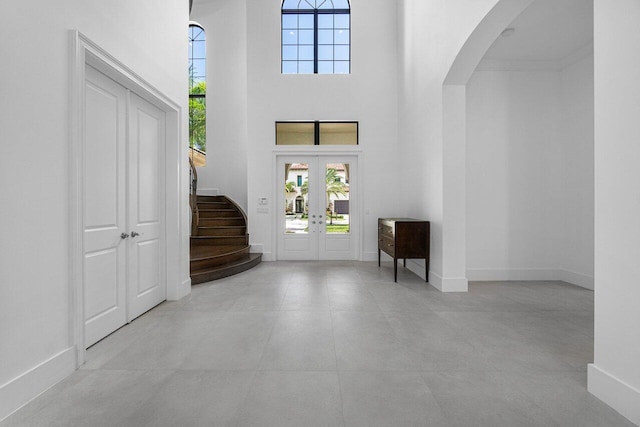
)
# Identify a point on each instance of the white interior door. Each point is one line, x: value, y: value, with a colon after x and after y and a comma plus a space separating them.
x: 315, y: 208
x: 146, y: 284
x: 105, y: 206
x: 123, y: 206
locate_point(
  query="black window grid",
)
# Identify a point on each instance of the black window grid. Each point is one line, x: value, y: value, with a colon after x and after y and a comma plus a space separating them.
x: 316, y: 13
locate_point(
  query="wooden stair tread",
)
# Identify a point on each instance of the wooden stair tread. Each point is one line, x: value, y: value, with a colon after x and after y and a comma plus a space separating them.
x: 225, y: 270
x: 222, y: 227
x: 223, y: 249
x: 204, y: 252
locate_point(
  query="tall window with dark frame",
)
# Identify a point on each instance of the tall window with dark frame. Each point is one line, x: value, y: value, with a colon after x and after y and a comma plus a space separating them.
x: 197, y: 94
x: 316, y: 37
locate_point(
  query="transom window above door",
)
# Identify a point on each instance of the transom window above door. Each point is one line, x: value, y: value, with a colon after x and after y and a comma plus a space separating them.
x: 316, y: 37
x: 317, y: 133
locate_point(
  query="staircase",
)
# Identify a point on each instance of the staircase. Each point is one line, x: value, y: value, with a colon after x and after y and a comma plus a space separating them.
x: 219, y: 240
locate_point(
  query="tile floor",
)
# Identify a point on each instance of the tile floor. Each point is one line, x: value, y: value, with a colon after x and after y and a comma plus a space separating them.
x: 338, y: 343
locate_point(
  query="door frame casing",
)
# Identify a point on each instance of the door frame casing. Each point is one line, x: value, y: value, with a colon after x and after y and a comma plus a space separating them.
x: 322, y: 151
x: 87, y: 53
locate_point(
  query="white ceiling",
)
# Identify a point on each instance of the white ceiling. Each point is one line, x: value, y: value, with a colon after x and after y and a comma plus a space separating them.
x: 549, y: 30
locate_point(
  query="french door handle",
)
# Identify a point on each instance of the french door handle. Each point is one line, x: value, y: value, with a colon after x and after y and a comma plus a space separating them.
x: 124, y: 236
x: 134, y: 234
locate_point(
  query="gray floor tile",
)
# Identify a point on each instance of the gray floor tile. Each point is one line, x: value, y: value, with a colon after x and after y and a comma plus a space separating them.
x: 366, y: 341
x: 352, y: 297
x: 339, y: 343
x: 195, y: 398
x: 293, y: 399
x: 388, y: 399
x: 485, y: 399
x: 91, y: 398
x: 236, y: 342
x: 312, y: 297
x: 301, y: 341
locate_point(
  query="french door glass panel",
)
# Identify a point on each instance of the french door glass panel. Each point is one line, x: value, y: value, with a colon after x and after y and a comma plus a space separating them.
x: 316, y: 197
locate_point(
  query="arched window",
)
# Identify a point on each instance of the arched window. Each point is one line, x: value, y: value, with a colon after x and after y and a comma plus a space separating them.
x: 316, y: 37
x: 197, y: 94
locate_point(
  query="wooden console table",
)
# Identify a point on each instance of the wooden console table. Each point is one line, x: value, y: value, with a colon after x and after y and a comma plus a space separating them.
x: 404, y: 238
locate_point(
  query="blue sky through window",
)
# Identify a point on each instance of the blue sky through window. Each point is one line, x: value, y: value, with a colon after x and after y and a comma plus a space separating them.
x: 322, y: 50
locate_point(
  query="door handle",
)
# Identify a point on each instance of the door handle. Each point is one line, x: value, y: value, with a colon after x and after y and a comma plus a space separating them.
x: 134, y: 234
x: 124, y: 236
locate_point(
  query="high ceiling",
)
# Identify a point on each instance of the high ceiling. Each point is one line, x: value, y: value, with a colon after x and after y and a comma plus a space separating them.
x: 549, y: 30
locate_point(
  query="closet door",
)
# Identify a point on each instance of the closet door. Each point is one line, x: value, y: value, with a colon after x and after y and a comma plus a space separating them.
x: 105, y: 228
x: 146, y: 278
x: 123, y: 206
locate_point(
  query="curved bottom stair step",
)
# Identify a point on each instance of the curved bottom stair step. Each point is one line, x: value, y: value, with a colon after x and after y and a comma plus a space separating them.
x: 220, y: 246
x: 229, y: 269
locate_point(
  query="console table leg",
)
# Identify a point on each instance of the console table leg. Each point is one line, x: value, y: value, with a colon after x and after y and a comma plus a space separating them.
x: 426, y: 270
x: 404, y: 263
x: 378, y: 257
x: 395, y: 269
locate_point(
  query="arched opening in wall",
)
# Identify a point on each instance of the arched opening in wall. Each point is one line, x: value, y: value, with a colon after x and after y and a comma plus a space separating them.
x: 524, y: 103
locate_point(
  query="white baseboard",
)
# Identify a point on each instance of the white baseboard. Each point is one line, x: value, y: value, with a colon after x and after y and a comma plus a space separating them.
x: 616, y: 393
x: 26, y: 387
x: 268, y: 256
x: 443, y: 284
x: 504, y: 274
x: 577, y: 279
x: 257, y: 248
x: 370, y: 256
x: 180, y: 291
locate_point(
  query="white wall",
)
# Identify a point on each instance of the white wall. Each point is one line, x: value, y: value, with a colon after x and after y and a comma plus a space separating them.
x: 225, y: 23
x: 368, y: 95
x: 530, y: 173
x: 615, y: 374
x: 35, y: 79
x: 512, y: 181
x: 432, y: 33
x: 577, y: 225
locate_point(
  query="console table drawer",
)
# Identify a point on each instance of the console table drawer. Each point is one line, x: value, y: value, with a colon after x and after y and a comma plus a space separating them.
x: 404, y: 238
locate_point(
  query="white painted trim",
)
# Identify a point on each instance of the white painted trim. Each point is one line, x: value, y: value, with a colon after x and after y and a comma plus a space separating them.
x: 86, y: 52
x: 310, y: 150
x: 455, y: 284
x: 578, y: 279
x: 268, y: 257
x: 371, y: 256
x: 319, y: 151
x: 505, y: 274
x: 257, y: 248
x: 29, y: 385
x: 614, y: 392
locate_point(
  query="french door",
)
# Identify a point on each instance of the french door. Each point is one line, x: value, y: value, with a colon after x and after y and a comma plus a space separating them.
x: 317, y: 205
x: 123, y: 206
